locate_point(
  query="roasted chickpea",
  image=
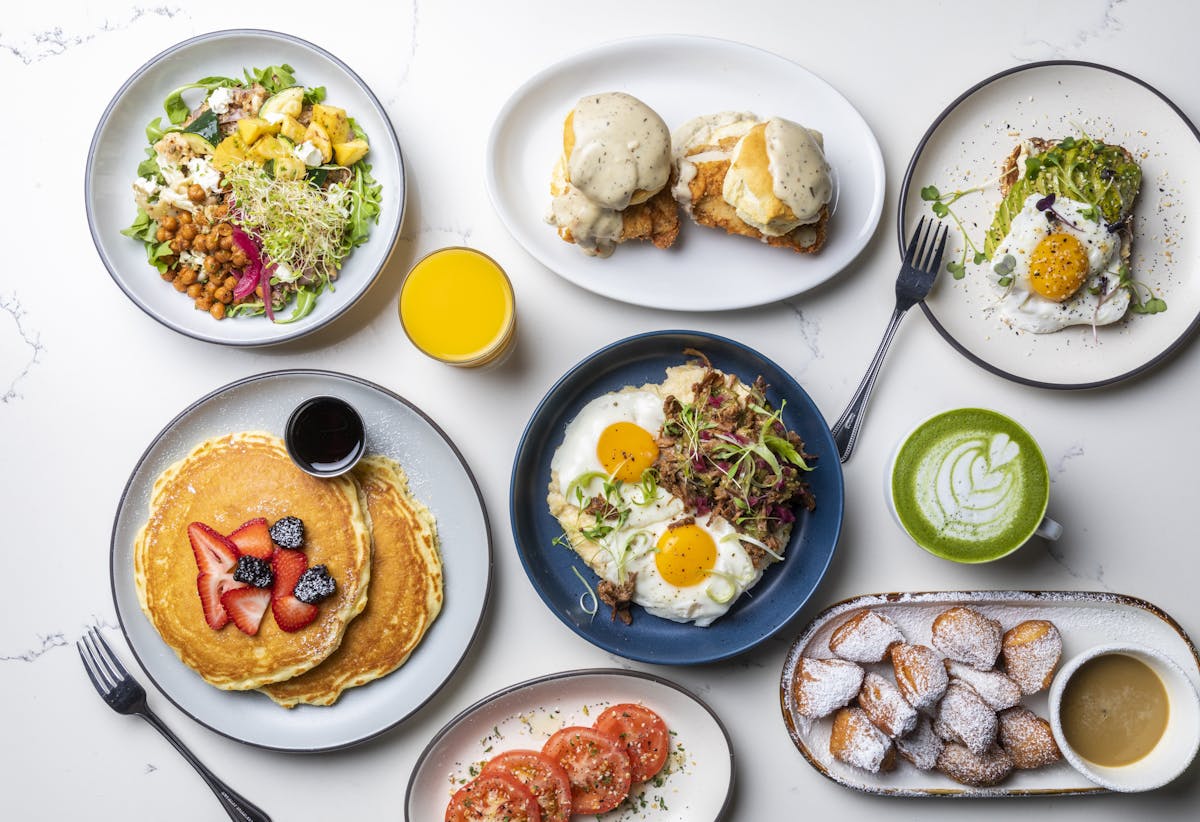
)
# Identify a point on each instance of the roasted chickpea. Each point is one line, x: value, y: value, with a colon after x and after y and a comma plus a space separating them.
x: 196, y: 193
x: 188, y: 232
x: 221, y: 210
x: 201, y: 219
x: 230, y: 283
x: 195, y: 290
x: 226, y: 242
x: 210, y: 265
x: 189, y: 275
x: 210, y: 288
x: 177, y: 245
x: 225, y: 230
x: 169, y: 274
x: 179, y: 284
x: 184, y: 218
x: 218, y: 311
x: 162, y: 235
x: 170, y: 223
x: 223, y: 257
x: 204, y: 303
x: 222, y: 294
x: 238, y: 259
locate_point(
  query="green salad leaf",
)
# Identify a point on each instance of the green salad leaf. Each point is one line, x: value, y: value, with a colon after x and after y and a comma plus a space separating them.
x: 177, y: 110
x: 1103, y: 177
x: 365, y: 205
x: 142, y: 228
x: 149, y: 166
x: 316, y: 94
x: 273, y: 78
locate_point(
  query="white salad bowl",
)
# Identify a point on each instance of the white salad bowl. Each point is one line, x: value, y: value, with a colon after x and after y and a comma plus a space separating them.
x: 119, y: 145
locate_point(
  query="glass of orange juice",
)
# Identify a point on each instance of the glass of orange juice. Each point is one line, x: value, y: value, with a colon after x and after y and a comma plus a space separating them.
x: 457, y: 306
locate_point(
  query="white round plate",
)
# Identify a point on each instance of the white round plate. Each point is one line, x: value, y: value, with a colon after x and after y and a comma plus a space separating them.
x: 696, y: 783
x: 682, y: 77
x: 965, y: 147
x: 438, y: 477
x: 119, y: 145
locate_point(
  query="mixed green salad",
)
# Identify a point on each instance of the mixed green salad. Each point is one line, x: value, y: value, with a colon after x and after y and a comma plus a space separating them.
x: 250, y: 200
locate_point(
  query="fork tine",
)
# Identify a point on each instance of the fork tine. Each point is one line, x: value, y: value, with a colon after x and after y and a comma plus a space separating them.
x: 89, y: 665
x: 943, y: 232
x: 911, y: 253
x: 98, y: 657
x: 111, y: 658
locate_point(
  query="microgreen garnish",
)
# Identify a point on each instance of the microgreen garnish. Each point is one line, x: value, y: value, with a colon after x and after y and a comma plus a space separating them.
x: 588, y: 602
x: 940, y: 205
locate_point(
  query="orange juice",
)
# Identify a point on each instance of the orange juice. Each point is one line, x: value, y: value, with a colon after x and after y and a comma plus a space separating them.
x: 457, y: 306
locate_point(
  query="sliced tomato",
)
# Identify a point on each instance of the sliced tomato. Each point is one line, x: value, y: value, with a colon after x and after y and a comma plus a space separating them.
x: 596, y: 764
x: 643, y: 733
x: 494, y: 797
x: 544, y: 778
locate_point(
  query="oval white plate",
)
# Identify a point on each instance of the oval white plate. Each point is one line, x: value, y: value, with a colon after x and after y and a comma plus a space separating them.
x: 699, y: 785
x: 1084, y: 619
x: 438, y: 477
x: 682, y: 77
x: 119, y: 143
x: 964, y: 148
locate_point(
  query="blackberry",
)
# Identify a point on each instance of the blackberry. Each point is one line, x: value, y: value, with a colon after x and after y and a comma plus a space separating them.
x: 288, y: 532
x: 314, y: 585
x: 254, y: 571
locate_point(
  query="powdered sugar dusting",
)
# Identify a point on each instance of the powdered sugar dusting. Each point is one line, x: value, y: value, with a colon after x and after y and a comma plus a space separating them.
x: 964, y: 717
x: 823, y: 685
x: 1027, y: 738
x: 857, y: 742
x: 1030, y: 663
x: 922, y: 746
x: 867, y: 636
x: 965, y: 635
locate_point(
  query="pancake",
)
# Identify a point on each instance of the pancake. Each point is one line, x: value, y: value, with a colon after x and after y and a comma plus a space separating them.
x: 224, y: 482
x: 405, y: 593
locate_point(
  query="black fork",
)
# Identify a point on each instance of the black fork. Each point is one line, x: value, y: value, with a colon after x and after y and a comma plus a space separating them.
x: 922, y: 260
x: 125, y: 696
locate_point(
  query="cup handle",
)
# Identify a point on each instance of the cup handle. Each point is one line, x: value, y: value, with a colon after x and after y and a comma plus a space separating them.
x: 1049, y: 529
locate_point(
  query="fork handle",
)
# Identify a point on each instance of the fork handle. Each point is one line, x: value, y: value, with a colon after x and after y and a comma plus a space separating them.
x: 845, y: 430
x: 236, y: 805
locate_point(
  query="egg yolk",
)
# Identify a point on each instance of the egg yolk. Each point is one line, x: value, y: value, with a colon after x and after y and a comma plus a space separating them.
x: 686, y: 554
x: 626, y: 450
x: 1058, y: 266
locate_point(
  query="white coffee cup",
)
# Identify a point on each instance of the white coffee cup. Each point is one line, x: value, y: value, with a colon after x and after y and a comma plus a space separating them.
x: 1176, y: 748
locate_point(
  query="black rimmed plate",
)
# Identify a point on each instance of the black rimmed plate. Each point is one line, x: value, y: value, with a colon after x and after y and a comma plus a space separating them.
x: 965, y: 147
x: 696, y: 783
x: 784, y: 587
x: 118, y: 146
x: 438, y: 476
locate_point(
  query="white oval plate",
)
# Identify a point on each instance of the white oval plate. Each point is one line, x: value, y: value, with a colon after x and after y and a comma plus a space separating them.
x: 681, y: 77
x: 438, y: 477
x: 965, y: 147
x: 1084, y: 619
x: 118, y: 146
x: 526, y: 714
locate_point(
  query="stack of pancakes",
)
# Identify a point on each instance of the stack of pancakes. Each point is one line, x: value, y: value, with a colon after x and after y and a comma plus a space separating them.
x: 378, y: 542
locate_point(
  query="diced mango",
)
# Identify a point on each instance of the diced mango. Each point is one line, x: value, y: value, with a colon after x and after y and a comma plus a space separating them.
x: 289, y: 168
x: 268, y: 148
x: 229, y: 153
x: 290, y: 101
x: 334, y: 121
x: 290, y: 128
x: 250, y: 129
x: 347, y: 154
x: 319, y: 137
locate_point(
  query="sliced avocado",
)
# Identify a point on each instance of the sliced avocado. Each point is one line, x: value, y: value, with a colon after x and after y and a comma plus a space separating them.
x: 1082, y: 169
x: 290, y: 101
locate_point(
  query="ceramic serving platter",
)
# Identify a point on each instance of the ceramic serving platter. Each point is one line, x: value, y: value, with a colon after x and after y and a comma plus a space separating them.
x: 119, y: 145
x: 965, y: 147
x: 696, y: 783
x: 438, y: 476
x: 682, y: 77
x: 1085, y: 619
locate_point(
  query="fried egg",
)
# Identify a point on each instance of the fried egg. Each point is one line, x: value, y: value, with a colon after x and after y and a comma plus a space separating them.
x: 1058, y: 268
x: 688, y: 569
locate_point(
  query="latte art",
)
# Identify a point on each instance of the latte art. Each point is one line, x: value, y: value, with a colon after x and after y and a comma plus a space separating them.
x: 973, y: 485
x: 969, y: 485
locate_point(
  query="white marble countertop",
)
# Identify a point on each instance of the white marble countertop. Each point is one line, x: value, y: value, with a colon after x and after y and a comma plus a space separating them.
x: 86, y: 379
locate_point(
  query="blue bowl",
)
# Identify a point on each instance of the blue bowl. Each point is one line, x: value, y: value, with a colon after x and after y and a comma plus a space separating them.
x: 785, y: 586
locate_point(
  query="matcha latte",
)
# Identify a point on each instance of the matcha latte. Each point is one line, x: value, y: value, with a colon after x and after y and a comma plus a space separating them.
x: 970, y: 485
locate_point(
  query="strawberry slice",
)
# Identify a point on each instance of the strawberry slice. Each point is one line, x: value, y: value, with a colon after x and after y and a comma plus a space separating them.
x: 215, y: 554
x: 254, y: 538
x: 290, y: 613
x: 246, y: 607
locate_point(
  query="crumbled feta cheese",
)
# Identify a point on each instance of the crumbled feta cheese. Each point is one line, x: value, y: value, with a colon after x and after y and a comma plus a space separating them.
x: 145, y: 185
x: 274, y: 117
x: 307, y: 153
x: 191, y: 258
x: 284, y: 274
x: 203, y: 174
x: 219, y: 99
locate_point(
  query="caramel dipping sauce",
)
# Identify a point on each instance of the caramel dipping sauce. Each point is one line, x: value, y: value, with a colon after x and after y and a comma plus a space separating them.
x: 1114, y: 710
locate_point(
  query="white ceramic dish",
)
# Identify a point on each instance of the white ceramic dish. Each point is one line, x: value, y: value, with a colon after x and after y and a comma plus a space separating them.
x: 118, y: 146
x: 697, y: 782
x: 1179, y: 743
x: 965, y: 147
x: 681, y: 77
x: 438, y: 477
x: 1085, y: 619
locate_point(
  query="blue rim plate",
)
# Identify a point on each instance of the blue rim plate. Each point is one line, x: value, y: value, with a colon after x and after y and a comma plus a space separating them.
x: 784, y: 588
